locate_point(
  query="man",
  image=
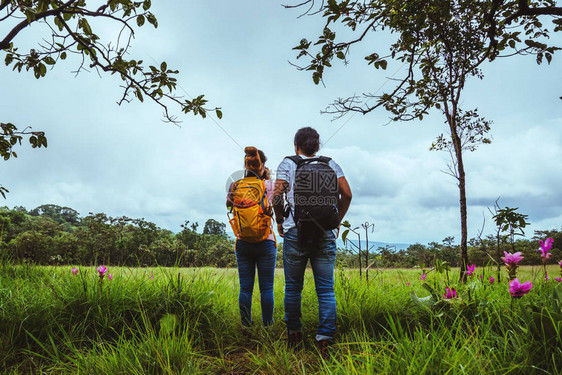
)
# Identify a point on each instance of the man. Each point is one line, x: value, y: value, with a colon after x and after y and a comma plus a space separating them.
x: 317, y: 245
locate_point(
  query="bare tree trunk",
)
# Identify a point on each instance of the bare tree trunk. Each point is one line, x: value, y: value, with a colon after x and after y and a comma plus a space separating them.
x: 461, y: 177
x: 464, y: 230
x: 499, y: 254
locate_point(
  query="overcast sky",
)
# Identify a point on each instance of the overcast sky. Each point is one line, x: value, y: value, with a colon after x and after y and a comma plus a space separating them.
x: 123, y: 160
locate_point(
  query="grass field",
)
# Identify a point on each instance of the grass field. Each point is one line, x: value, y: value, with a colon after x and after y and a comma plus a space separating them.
x: 186, y: 321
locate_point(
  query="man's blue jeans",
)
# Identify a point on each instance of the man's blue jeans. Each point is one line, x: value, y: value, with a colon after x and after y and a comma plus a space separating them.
x: 322, y: 255
x: 262, y: 255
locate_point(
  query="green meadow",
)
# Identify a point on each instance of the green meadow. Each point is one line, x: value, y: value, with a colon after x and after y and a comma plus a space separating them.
x: 186, y: 321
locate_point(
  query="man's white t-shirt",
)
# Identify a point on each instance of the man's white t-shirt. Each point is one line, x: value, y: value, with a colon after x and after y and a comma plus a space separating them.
x: 286, y: 171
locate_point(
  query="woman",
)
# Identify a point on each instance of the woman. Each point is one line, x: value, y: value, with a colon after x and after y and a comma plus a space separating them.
x: 252, y: 255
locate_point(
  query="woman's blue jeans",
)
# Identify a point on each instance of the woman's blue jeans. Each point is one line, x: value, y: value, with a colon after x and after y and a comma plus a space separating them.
x: 249, y: 256
x: 322, y: 255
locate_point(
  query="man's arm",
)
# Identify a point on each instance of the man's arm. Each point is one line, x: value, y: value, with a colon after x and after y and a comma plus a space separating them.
x: 278, y: 202
x: 345, y: 197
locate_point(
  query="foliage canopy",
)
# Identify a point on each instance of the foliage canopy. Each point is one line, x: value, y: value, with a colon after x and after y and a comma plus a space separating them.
x: 70, y: 29
x: 442, y: 43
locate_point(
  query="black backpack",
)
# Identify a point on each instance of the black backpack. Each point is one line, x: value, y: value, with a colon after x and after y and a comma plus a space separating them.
x: 315, y: 193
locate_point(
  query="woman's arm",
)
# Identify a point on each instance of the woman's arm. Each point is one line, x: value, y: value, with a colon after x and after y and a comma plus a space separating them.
x: 229, y: 200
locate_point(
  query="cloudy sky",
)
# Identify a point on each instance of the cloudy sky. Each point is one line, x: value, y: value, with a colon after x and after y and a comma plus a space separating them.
x: 123, y: 160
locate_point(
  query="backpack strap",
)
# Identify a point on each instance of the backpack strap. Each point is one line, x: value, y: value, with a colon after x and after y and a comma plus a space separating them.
x: 299, y: 160
x: 296, y: 159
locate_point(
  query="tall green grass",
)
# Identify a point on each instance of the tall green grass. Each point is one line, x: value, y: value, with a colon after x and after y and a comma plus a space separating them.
x: 186, y: 321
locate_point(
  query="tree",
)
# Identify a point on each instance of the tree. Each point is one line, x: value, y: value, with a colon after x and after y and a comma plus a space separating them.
x: 69, y: 30
x: 442, y: 43
x: 59, y: 214
x: 417, y: 253
x: 214, y: 227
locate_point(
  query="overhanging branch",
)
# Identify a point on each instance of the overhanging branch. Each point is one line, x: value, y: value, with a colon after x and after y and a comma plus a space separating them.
x: 5, y: 43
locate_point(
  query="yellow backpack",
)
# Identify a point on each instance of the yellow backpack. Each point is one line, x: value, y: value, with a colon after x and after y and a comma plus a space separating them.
x: 251, y: 213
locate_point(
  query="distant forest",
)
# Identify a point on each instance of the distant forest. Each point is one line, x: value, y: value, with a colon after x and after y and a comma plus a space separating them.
x: 55, y: 235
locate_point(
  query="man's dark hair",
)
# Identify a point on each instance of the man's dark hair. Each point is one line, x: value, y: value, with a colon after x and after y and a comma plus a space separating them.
x: 308, y: 140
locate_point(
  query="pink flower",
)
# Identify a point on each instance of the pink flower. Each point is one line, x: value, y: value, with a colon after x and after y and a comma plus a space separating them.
x: 544, y: 253
x: 152, y: 277
x: 517, y: 290
x: 560, y: 263
x: 547, y: 244
x: 481, y: 277
x: 559, y: 279
x: 407, y: 284
x: 101, y: 270
x: 423, y: 276
x: 545, y: 247
x: 74, y: 270
x: 110, y: 276
x: 470, y: 269
x: 450, y: 293
x: 491, y: 280
x: 512, y: 259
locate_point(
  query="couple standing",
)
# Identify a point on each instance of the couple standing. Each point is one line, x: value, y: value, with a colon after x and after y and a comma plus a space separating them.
x: 308, y: 225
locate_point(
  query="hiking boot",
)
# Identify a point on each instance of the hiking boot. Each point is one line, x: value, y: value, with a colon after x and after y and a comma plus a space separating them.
x: 294, y: 339
x: 323, y: 346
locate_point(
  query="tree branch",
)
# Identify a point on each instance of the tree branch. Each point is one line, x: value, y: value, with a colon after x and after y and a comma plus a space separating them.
x: 22, y: 25
x: 344, y: 108
x: 524, y: 10
x: 9, y: 14
x: 4, y: 4
x: 304, y: 3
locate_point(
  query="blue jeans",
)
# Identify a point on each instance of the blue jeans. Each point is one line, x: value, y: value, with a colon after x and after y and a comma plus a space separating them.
x: 262, y: 255
x: 322, y: 255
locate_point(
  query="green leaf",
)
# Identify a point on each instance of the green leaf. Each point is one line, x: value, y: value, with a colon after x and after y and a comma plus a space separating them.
x: 344, y: 235
x: 86, y: 26
x: 9, y: 59
x: 168, y: 324
x: 151, y: 19
x: 316, y: 77
x: 424, y: 302
x: 163, y: 66
x: 219, y: 113
x: 140, y: 20
x: 3, y: 190
x: 63, y: 55
x: 204, y: 299
x: 49, y: 60
x: 430, y: 289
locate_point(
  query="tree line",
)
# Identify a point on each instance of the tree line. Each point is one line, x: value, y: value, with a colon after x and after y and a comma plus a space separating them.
x: 486, y: 251
x: 55, y: 235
